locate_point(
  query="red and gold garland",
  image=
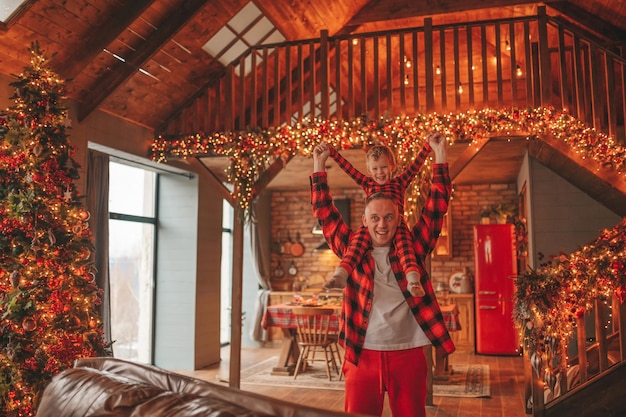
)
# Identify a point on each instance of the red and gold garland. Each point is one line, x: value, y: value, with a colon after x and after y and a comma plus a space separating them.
x: 251, y: 152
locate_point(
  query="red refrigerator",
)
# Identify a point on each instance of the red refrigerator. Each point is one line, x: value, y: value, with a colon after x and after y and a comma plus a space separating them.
x: 495, y: 266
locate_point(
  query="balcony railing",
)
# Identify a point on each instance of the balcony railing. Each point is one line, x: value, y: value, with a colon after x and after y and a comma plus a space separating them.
x: 528, y: 61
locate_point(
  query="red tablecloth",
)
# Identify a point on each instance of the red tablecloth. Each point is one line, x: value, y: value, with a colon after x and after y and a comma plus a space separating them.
x: 451, y: 317
x: 281, y: 315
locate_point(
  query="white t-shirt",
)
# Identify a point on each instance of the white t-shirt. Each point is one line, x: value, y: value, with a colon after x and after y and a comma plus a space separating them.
x: 392, y: 325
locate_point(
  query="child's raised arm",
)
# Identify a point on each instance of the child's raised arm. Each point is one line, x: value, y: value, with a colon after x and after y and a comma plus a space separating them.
x: 348, y: 168
x: 409, y: 174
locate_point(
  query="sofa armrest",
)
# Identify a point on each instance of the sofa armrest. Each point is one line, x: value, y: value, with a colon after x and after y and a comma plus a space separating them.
x: 115, y: 387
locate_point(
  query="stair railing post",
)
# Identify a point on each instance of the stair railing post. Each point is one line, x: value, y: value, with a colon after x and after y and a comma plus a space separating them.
x: 544, y: 57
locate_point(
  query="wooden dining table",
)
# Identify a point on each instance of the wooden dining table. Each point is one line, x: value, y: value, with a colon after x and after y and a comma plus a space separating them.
x: 281, y: 316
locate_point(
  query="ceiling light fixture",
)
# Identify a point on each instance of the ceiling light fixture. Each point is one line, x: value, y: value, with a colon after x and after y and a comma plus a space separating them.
x: 438, y: 70
x: 518, y: 71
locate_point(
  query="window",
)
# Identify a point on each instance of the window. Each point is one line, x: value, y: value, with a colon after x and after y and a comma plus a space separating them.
x: 132, y: 237
x: 227, y: 260
x: 8, y: 8
x: 249, y: 27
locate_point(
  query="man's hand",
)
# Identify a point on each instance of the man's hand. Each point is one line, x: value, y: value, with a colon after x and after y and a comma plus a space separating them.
x: 438, y: 142
x: 321, y: 153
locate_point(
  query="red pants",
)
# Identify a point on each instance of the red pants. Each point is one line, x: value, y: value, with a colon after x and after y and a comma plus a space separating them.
x: 402, y: 373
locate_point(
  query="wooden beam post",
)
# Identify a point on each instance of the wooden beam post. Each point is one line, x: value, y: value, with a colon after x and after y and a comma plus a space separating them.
x: 234, y: 377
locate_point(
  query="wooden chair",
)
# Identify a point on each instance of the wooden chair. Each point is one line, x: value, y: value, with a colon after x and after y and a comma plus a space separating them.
x: 313, y: 336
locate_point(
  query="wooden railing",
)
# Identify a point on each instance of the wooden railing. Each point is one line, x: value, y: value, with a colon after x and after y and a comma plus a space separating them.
x: 527, y: 61
x: 557, y: 374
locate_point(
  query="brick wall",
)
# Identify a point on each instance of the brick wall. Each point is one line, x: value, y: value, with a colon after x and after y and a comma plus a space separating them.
x: 291, y: 214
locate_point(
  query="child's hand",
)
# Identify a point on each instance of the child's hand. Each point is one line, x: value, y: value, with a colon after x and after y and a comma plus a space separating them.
x: 438, y: 142
x: 435, y: 138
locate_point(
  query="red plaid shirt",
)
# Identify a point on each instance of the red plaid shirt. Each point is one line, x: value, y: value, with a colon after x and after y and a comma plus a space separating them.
x: 358, y: 294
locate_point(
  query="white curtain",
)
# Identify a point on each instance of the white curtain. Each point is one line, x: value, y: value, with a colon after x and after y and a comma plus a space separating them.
x: 260, y: 240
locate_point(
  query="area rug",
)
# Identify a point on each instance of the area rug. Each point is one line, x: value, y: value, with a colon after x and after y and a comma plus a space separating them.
x: 465, y: 381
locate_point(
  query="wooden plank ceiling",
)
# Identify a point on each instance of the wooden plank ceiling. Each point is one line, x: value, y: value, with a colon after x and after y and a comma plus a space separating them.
x: 142, y: 60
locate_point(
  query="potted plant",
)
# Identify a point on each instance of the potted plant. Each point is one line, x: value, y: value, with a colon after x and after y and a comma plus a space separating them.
x: 502, y: 213
x: 485, y: 216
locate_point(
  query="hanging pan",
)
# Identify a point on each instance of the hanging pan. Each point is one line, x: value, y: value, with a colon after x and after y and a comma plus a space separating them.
x: 297, y: 248
x: 286, y: 249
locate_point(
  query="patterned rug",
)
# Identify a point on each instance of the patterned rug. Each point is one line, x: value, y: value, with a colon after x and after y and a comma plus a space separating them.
x: 469, y: 381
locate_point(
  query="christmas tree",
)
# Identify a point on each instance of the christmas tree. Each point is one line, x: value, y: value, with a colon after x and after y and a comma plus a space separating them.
x: 48, y: 296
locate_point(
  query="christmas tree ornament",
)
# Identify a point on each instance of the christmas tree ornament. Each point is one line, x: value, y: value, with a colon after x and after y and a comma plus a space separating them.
x: 535, y: 361
x: 15, y: 279
x: 29, y: 324
x: 84, y: 215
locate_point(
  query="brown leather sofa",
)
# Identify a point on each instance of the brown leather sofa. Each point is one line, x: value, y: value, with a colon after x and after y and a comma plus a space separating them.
x: 114, y: 387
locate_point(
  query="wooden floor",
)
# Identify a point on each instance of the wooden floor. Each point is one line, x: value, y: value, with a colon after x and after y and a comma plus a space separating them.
x: 507, y: 386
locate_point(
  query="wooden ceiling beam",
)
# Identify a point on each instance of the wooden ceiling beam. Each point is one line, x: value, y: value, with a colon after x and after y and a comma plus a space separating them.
x: 109, y: 82
x: 71, y: 62
x: 466, y: 156
x: 603, y: 185
x: 206, y: 172
x: 581, y: 17
x: 385, y: 10
x: 269, y: 174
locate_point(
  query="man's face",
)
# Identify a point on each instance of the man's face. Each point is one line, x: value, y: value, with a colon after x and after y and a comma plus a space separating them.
x: 381, y: 219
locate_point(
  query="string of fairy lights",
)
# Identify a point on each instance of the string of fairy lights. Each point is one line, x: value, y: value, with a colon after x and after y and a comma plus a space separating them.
x: 549, y: 299
x: 251, y: 152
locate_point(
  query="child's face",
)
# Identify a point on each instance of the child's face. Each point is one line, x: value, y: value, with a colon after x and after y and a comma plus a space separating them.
x: 381, y: 170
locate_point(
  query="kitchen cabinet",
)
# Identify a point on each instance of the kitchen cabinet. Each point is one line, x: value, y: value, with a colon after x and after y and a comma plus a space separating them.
x: 464, y: 338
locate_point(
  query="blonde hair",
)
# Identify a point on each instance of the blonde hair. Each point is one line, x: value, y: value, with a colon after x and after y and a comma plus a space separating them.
x: 376, y: 151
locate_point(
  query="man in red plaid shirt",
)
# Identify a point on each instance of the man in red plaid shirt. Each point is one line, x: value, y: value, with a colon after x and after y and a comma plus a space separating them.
x: 383, y: 328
